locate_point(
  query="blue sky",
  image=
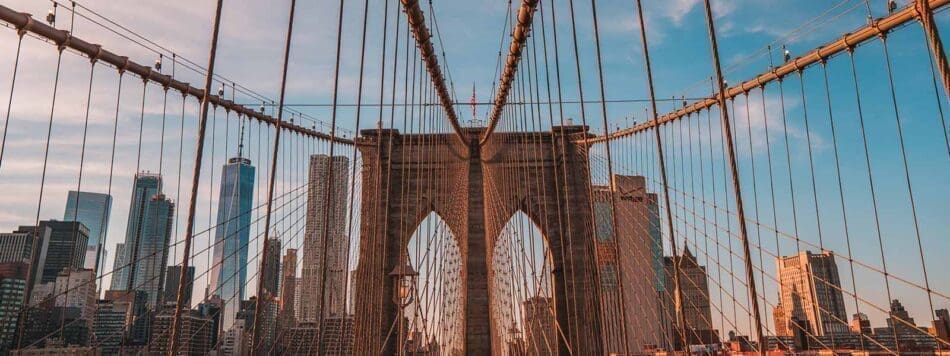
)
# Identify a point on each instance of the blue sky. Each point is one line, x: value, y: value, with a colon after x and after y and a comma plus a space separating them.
x: 250, y: 52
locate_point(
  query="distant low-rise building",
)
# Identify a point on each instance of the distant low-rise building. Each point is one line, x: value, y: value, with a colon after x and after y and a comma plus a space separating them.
x: 337, y: 336
x: 172, y: 278
x: 860, y: 324
x: 138, y: 316
x: 234, y: 340
x: 300, y: 340
x: 194, y: 336
x: 108, y: 326
x: 694, y: 288
x: 28, y: 246
x: 58, y: 351
x: 211, y: 309
x: 942, y: 324
x: 899, y: 319
x: 77, y: 289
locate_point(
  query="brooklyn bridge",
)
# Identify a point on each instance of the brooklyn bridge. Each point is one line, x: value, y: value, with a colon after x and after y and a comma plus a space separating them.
x: 625, y: 177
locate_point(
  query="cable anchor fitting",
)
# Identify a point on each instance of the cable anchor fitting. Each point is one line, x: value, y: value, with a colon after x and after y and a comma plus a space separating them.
x: 95, y: 58
x: 67, y: 38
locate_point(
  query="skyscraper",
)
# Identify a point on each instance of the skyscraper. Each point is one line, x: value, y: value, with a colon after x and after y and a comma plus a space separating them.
x: 120, y: 278
x: 270, y: 277
x: 149, y: 272
x: 173, y: 277
x: 326, y: 214
x: 288, y: 290
x: 12, y: 289
x: 29, y: 247
x: 92, y: 210
x: 144, y: 188
x: 66, y: 248
x: 811, y: 295
x: 140, y: 266
x: 694, y: 289
x: 231, y: 236
x: 634, y: 262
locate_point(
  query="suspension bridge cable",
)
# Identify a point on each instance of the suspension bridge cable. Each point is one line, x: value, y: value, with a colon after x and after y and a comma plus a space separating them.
x: 39, y: 203
x: 255, y: 340
x: 844, y: 213
x: 16, y: 67
x: 907, y: 179
x: 610, y: 171
x: 356, y: 128
x: 189, y: 225
x: 162, y: 50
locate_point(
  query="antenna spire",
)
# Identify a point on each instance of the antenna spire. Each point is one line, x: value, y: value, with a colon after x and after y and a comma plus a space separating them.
x: 241, y: 140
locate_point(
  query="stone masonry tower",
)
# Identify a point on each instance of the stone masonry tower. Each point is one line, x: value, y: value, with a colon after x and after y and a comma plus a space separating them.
x: 407, y: 177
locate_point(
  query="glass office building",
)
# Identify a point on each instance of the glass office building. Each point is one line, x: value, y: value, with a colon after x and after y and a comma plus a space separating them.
x: 140, y: 263
x: 229, y: 265
x: 92, y: 210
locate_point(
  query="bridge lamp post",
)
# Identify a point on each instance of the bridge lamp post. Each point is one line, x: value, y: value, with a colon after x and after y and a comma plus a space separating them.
x: 405, y: 279
x: 404, y: 282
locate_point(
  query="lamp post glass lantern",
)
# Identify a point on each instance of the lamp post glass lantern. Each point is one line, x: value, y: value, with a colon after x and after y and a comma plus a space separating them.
x: 404, y: 277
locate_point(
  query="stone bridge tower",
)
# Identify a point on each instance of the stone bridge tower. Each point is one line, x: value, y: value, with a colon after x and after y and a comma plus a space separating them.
x: 476, y: 190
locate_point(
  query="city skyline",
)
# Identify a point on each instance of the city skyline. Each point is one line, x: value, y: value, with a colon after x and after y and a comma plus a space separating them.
x: 665, y: 176
x: 68, y: 119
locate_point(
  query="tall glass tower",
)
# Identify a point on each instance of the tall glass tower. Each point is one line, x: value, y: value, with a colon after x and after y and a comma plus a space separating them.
x: 92, y: 210
x: 141, y: 260
x: 229, y: 266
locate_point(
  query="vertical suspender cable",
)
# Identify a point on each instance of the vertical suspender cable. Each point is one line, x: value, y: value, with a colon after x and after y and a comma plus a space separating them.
x: 357, y: 349
x: 610, y: 177
x: 256, y: 332
x: 677, y: 291
x: 740, y: 210
x: 16, y: 66
x: 76, y: 202
x: 573, y: 327
x: 594, y: 331
x: 39, y: 204
x: 195, y: 179
x: 330, y: 169
x: 907, y: 179
x: 356, y: 132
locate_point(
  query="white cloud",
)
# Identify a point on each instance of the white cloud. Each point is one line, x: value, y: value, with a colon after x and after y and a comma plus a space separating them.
x: 677, y: 10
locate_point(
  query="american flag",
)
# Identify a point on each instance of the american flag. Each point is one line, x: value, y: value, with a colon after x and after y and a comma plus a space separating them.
x: 472, y: 101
